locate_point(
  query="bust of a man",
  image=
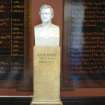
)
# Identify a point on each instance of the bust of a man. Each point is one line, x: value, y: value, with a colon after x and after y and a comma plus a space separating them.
x: 46, y: 34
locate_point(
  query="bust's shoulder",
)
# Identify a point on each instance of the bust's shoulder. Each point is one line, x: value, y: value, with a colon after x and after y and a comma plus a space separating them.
x: 38, y: 26
x: 55, y: 26
x: 51, y: 26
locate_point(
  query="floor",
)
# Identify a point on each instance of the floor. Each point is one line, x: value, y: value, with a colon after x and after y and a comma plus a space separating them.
x: 70, y: 101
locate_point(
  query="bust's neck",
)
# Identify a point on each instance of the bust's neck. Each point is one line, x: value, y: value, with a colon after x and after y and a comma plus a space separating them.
x: 46, y: 24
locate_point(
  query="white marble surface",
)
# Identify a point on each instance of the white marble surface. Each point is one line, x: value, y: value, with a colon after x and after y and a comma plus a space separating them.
x: 47, y: 36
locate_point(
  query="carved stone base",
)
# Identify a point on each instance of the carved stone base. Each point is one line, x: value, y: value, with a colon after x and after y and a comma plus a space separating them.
x: 47, y: 103
x: 46, y: 76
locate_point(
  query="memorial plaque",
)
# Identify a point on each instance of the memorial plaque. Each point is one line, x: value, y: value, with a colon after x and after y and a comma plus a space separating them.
x: 84, y: 45
x: 12, y: 40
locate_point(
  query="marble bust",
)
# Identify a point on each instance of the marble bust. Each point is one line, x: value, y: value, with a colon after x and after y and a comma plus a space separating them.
x: 46, y: 34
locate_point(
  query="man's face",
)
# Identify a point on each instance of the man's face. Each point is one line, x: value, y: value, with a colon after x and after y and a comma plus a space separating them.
x: 46, y: 15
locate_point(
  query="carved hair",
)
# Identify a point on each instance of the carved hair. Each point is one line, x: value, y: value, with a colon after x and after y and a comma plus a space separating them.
x: 44, y: 6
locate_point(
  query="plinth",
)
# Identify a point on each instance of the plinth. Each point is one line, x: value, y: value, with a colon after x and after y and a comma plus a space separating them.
x: 46, y: 76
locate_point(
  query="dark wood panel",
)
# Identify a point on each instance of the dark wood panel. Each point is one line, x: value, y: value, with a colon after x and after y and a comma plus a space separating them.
x: 84, y: 48
x: 14, y: 74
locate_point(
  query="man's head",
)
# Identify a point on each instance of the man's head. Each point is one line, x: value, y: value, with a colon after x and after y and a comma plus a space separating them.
x: 46, y: 13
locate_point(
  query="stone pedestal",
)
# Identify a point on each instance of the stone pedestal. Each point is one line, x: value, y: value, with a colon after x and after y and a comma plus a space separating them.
x: 46, y: 76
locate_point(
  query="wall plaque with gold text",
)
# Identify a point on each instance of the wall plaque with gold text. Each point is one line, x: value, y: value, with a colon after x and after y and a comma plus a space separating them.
x: 84, y: 47
x: 12, y: 43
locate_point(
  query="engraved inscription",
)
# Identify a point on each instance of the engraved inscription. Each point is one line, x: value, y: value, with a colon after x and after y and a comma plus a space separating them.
x: 11, y: 39
x: 85, y: 40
